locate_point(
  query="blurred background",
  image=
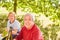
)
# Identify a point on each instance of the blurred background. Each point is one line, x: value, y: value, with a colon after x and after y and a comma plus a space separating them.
x: 46, y: 12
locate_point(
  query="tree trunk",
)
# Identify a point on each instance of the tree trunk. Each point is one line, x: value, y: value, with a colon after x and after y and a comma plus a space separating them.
x: 15, y: 6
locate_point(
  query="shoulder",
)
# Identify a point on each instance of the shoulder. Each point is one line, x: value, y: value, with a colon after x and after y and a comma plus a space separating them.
x: 16, y: 21
x: 23, y: 27
x: 8, y: 21
x: 36, y: 29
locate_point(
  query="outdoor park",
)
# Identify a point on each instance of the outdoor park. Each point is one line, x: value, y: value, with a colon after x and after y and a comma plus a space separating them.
x: 46, y: 13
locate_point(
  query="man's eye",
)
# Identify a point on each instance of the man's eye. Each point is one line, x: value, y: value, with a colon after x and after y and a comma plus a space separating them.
x: 25, y: 19
x: 29, y: 19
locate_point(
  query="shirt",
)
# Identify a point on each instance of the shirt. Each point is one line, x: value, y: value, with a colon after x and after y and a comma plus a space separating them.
x: 14, y: 25
x: 33, y: 34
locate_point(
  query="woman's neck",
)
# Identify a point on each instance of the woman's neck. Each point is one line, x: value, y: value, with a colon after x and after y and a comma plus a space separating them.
x: 12, y: 21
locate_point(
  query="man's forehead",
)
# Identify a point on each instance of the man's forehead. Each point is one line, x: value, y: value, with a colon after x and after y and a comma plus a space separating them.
x: 28, y: 15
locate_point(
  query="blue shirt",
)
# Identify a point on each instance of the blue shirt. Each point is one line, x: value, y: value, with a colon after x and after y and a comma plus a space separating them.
x: 14, y: 25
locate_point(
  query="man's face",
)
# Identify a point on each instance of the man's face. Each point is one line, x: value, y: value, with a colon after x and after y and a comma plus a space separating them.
x: 28, y: 21
x: 11, y: 17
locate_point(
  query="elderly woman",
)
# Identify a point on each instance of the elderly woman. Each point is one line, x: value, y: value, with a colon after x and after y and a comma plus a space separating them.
x: 12, y: 24
x: 30, y: 30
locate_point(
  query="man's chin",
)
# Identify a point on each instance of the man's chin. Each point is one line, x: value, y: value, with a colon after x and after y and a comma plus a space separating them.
x: 28, y: 25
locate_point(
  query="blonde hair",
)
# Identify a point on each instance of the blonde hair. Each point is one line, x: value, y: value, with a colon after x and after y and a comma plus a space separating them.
x: 11, y: 13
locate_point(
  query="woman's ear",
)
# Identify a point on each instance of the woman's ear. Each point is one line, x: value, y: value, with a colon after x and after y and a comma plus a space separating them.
x: 8, y: 17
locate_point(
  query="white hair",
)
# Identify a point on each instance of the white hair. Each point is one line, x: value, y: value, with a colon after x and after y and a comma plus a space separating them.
x: 31, y: 15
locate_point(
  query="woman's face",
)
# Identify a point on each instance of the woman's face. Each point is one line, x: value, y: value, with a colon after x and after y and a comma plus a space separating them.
x: 28, y: 21
x: 11, y: 17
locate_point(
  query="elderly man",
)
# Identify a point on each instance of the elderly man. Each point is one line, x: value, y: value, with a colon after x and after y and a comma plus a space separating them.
x: 30, y: 30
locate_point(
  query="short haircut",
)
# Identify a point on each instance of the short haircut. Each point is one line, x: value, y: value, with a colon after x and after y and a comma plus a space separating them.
x: 33, y: 18
x: 11, y: 13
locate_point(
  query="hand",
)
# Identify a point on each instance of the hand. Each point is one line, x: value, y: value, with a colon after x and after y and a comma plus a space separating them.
x: 14, y: 32
x: 14, y: 39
